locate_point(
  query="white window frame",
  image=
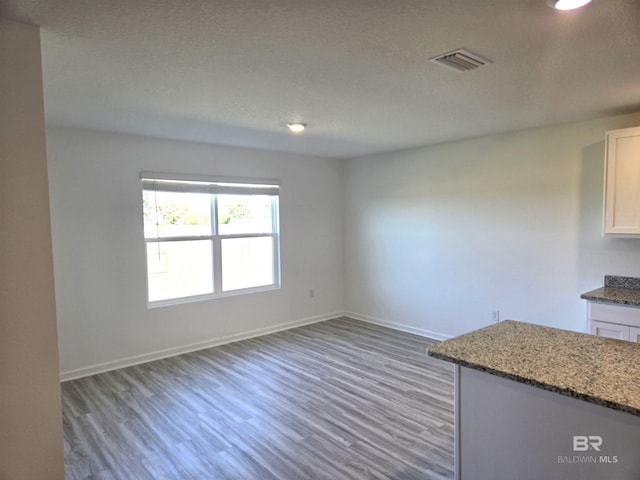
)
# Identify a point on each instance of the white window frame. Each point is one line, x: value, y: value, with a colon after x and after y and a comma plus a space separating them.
x: 215, y: 186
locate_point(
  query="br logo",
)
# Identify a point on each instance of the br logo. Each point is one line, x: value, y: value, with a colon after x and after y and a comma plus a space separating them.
x: 582, y: 443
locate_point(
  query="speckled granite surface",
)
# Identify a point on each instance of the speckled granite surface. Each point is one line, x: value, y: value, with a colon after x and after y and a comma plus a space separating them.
x: 620, y: 290
x: 594, y: 369
x: 621, y: 296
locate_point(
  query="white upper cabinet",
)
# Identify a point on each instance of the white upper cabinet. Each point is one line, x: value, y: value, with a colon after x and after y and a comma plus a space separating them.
x: 622, y: 183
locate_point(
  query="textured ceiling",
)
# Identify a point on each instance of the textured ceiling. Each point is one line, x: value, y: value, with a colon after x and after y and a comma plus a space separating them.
x: 235, y: 72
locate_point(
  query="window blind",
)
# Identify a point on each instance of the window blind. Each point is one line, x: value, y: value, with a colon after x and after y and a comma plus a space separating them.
x: 239, y: 187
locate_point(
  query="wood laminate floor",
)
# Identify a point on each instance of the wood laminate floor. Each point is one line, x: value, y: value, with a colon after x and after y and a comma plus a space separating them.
x: 335, y: 400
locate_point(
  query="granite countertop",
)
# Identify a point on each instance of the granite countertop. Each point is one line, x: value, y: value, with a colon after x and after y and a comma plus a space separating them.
x: 598, y: 370
x: 621, y: 296
x: 619, y: 290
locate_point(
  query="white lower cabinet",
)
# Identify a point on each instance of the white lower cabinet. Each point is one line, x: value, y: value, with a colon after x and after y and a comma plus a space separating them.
x: 614, y: 321
x: 610, y: 330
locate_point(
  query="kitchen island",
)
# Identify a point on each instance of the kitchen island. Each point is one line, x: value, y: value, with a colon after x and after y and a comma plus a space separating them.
x: 534, y: 402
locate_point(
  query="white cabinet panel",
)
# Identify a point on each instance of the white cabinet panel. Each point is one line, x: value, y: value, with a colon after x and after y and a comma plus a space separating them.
x: 610, y: 330
x: 622, y: 183
x: 614, y: 321
x: 626, y: 315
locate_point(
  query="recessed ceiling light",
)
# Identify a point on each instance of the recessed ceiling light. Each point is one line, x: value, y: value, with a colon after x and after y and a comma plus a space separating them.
x: 568, y: 4
x: 297, y: 127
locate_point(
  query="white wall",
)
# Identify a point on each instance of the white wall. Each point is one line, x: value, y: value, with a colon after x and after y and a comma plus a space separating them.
x: 30, y: 410
x: 438, y: 237
x: 431, y: 240
x: 99, y: 258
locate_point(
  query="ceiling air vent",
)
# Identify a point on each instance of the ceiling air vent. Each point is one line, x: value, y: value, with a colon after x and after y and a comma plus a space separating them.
x: 460, y: 60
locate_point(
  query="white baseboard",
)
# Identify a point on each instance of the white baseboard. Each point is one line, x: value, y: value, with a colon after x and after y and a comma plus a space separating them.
x: 398, y: 326
x: 170, y: 352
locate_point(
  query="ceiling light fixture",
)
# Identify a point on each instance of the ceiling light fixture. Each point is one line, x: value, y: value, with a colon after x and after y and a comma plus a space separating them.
x: 568, y: 4
x: 297, y: 127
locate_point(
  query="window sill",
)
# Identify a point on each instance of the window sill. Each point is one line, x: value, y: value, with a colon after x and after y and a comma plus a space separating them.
x: 210, y: 296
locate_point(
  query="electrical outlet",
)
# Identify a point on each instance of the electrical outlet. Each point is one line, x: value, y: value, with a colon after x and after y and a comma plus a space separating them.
x: 496, y: 315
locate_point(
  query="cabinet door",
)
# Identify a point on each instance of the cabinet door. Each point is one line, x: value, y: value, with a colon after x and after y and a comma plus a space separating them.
x: 622, y: 182
x: 610, y: 330
x: 634, y: 334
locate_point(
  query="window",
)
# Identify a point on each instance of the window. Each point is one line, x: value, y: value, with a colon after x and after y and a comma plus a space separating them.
x: 208, y: 238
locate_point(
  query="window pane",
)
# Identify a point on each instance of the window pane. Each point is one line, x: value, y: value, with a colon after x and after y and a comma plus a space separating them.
x: 244, y: 214
x: 176, y: 214
x: 179, y: 269
x: 247, y: 262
